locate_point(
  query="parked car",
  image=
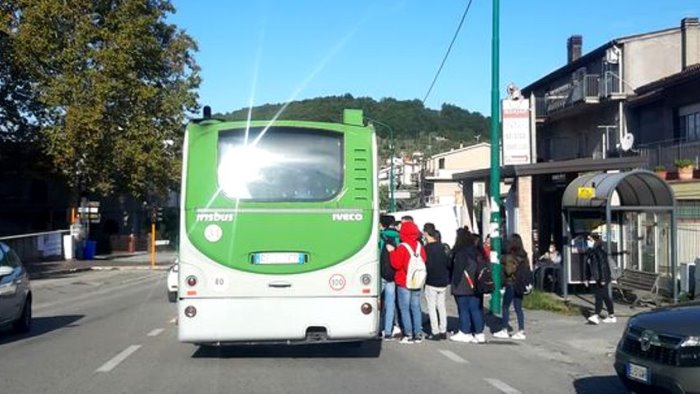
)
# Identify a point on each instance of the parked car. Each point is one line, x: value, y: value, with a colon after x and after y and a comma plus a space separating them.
x: 15, y: 292
x: 172, y: 281
x: 661, y: 350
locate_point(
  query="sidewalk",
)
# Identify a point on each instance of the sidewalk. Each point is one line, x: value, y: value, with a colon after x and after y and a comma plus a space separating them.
x: 138, y: 260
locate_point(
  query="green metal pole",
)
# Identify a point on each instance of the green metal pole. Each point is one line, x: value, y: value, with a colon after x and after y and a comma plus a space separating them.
x: 495, y: 229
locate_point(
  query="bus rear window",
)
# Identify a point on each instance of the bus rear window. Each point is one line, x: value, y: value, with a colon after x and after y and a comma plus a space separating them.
x: 280, y: 164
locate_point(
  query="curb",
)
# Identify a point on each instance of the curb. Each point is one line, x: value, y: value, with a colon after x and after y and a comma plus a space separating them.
x: 65, y: 271
x: 126, y: 268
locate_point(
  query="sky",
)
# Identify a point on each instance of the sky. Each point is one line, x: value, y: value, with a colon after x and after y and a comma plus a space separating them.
x: 274, y: 51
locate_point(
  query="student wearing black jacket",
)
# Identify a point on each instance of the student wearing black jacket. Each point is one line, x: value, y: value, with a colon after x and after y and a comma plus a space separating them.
x: 599, y: 277
x: 387, y: 236
x: 437, y: 265
x: 464, y: 269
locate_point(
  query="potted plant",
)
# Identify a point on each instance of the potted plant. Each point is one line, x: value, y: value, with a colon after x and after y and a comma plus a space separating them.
x: 660, y: 171
x: 685, y: 169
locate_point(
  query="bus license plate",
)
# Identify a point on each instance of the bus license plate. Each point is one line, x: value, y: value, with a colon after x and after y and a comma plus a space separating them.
x: 279, y: 258
x: 638, y: 373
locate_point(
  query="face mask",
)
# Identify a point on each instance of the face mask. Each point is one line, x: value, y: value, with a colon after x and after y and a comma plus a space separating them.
x: 590, y: 243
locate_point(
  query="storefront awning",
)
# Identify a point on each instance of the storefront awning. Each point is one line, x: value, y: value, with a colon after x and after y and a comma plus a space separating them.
x: 556, y: 167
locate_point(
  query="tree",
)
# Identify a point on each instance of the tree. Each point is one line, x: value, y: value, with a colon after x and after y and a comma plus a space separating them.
x: 20, y: 140
x: 116, y: 82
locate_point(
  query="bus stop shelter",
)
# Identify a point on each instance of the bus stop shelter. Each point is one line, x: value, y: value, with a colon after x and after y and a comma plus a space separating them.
x: 602, y: 202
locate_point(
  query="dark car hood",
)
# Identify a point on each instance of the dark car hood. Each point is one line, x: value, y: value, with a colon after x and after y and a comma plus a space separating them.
x: 680, y: 320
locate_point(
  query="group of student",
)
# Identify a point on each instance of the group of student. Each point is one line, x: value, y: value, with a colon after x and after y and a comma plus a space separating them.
x: 415, y: 262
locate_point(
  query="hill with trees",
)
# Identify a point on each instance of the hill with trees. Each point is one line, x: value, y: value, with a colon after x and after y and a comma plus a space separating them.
x: 416, y: 127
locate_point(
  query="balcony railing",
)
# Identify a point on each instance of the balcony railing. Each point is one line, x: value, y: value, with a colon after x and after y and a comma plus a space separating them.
x: 665, y: 153
x: 588, y: 88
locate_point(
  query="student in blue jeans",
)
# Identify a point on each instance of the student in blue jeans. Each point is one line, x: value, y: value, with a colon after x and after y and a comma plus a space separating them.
x: 409, y: 300
x: 463, y: 268
x: 388, y: 235
x: 514, y: 261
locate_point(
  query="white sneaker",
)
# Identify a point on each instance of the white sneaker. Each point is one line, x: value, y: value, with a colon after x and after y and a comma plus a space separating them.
x: 396, y: 331
x: 594, y: 319
x: 520, y: 335
x: 503, y: 334
x: 610, y: 319
x: 480, y: 338
x: 406, y: 340
x: 462, y: 337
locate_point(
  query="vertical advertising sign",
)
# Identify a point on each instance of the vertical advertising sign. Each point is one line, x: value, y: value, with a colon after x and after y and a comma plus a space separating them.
x: 516, y: 131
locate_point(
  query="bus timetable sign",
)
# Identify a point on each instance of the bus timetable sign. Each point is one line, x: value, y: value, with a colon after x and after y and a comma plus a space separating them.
x: 586, y: 193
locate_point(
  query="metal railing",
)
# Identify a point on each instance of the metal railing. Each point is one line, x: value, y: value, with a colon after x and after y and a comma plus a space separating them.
x: 665, y: 153
x: 582, y: 88
x: 36, y: 247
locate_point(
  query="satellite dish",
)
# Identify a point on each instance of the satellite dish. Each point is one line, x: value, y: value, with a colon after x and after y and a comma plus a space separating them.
x: 627, y: 142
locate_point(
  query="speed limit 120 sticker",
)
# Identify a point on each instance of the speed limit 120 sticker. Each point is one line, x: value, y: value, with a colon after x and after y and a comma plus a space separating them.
x: 337, y: 282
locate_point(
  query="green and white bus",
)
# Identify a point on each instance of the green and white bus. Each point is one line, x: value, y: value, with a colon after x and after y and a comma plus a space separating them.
x: 278, y: 239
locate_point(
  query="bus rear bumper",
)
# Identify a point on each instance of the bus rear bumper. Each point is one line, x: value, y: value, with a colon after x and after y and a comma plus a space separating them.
x: 287, y: 320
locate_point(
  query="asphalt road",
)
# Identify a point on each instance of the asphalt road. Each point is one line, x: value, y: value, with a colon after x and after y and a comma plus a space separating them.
x: 115, y: 332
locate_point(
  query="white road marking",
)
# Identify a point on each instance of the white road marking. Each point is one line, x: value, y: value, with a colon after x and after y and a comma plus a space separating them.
x: 155, y: 332
x: 452, y: 356
x: 111, y: 364
x: 502, y: 386
x: 173, y: 320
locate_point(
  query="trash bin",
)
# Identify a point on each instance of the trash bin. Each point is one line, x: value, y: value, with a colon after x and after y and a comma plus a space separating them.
x: 89, y: 252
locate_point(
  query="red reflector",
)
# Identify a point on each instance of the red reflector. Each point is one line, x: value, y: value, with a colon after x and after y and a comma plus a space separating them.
x: 191, y: 292
x: 365, y: 291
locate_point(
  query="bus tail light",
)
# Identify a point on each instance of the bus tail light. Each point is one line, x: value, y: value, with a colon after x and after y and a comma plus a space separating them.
x: 366, y: 308
x: 190, y: 311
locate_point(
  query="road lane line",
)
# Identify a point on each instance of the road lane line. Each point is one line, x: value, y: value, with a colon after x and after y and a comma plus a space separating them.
x: 111, y: 364
x: 452, y: 356
x: 155, y: 332
x: 502, y: 386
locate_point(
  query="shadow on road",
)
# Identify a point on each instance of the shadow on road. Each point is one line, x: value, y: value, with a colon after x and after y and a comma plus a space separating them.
x: 599, y: 385
x: 368, y: 349
x: 40, y: 326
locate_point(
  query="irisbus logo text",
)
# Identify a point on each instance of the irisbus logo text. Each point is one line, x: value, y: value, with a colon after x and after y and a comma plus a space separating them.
x: 347, y: 217
x: 214, y: 217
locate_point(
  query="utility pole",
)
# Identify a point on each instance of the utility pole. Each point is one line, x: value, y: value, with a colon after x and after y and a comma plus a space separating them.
x: 495, y: 228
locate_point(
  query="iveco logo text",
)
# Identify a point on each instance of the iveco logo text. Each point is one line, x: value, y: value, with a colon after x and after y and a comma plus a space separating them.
x: 215, y: 217
x: 347, y: 217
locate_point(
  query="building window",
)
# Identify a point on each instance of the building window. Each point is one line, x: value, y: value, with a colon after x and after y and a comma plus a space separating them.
x: 441, y: 164
x: 690, y: 122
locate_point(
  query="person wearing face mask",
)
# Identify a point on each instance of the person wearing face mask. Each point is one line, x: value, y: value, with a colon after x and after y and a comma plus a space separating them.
x: 552, y: 255
x: 599, y: 276
x: 548, y: 267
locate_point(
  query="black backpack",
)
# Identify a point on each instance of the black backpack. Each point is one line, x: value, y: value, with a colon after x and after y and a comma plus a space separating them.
x: 387, y: 271
x: 484, y: 277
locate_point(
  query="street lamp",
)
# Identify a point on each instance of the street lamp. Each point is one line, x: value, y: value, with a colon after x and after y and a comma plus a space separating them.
x: 391, y: 166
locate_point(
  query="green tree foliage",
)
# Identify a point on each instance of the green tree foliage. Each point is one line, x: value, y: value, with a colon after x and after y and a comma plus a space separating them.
x: 415, y: 126
x: 115, y: 81
x: 19, y: 132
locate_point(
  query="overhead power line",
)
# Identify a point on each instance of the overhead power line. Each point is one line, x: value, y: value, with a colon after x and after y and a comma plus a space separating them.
x: 444, y: 59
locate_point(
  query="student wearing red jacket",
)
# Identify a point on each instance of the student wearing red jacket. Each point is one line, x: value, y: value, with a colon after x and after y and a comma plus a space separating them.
x: 409, y: 300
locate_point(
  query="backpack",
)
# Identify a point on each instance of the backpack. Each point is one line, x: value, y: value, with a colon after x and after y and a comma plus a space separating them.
x: 484, y: 278
x: 416, y: 272
x: 523, y: 278
x: 387, y: 271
